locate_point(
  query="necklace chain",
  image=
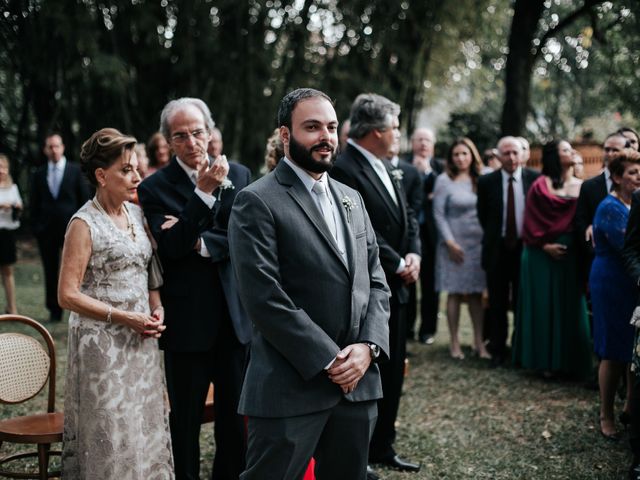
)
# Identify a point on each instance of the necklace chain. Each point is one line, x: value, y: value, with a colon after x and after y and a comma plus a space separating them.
x: 130, y: 229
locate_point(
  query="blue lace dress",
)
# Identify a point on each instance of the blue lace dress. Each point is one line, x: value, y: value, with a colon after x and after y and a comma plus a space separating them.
x: 613, y: 293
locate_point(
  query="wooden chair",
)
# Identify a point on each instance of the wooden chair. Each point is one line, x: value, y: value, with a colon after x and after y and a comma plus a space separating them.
x: 25, y: 368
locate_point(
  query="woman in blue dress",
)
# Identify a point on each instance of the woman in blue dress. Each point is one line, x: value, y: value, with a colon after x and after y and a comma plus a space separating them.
x: 613, y: 292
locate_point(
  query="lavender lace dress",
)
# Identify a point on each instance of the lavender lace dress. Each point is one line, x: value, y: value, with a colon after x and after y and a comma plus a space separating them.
x: 456, y: 216
x: 116, y: 412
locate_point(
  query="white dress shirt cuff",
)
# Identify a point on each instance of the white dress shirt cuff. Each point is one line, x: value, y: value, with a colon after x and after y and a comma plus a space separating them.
x: 203, y: 249
x: 207, y: 198
x: 401, y: 266
x: 330, y: 363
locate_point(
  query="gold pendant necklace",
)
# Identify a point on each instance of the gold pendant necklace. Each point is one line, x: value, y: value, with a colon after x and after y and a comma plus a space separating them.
x: 130, y: 228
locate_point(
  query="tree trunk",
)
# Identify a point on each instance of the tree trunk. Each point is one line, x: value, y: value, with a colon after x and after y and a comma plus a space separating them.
x: 520, y: 61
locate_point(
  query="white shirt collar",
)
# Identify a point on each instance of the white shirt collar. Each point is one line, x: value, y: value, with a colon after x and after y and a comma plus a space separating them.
x: 59, y: 165
x: 304, y: 176
x: 371, y: 158
x: 187, y: 169
x: 517, y: 175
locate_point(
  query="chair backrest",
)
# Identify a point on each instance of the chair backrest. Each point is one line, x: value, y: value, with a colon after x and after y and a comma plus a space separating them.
x: 25, y: 366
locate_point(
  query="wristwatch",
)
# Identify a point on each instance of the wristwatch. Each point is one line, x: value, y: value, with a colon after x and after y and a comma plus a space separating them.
x: 374, y: 350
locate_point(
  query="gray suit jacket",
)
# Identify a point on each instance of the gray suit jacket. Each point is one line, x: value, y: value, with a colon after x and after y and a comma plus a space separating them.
x: 305, y: 302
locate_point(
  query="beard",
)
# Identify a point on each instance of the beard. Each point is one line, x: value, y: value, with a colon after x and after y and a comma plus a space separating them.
x: 303, y: 157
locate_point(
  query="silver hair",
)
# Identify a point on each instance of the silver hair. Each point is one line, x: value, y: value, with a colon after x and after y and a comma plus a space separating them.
x: 424, y: 129
x: 371, y: 112
x: 171, y: 108
x: 511, y: 139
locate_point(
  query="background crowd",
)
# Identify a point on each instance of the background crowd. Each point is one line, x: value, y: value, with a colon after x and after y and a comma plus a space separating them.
x: 491, y: 232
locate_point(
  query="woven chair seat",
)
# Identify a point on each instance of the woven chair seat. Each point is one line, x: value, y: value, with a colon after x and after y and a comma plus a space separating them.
x: 40, y: 428
x: 24, y: 369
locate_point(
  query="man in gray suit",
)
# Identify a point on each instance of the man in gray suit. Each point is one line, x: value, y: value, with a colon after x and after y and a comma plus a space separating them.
x: 310, y: 279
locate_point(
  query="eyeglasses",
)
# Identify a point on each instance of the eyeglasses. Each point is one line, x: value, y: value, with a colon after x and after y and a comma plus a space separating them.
x: 182, y: 137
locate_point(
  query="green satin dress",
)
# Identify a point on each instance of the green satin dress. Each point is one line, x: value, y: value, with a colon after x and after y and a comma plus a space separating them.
x: 552, y: 327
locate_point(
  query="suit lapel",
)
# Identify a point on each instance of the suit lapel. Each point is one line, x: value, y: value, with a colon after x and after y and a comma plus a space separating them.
x: 375, y: 181
x: 177, y: 176
x: 603, y: 184
x: 301, y: 196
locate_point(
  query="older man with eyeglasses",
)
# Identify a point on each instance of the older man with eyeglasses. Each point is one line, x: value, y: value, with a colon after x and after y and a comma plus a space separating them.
x: 187, y: 205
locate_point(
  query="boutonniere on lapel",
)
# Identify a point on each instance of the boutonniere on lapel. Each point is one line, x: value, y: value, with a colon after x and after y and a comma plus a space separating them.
x: 225, y: 185
x: 348, y: 204
x: 396, y: 175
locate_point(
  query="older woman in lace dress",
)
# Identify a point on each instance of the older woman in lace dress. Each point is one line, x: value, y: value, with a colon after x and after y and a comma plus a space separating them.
x: 116, y: 414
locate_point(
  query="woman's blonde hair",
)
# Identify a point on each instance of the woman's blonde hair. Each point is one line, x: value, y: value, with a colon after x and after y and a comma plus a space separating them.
x: 5, y: 159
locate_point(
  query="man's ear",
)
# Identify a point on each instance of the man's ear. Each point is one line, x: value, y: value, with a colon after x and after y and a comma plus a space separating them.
x: 285, y: 134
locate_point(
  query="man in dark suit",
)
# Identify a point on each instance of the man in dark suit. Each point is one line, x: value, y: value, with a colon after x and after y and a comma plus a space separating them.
x: 423, y: 142
x: 207, y: 331
x: 58, y: 190
x: 309, y: 275
x: 631, y: 257
x: 592, y: 192
x: 374, y: 128
x: 501, y: 202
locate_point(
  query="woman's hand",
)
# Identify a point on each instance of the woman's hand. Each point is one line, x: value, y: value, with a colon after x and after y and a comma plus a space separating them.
x: 456, y: 253
x: 557, y: 251
x: 145, y: 325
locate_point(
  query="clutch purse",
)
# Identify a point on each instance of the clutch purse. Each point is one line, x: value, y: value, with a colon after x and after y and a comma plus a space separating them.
x: 155, y: 272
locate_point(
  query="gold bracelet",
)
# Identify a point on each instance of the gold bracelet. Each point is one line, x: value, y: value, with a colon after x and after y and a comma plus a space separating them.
x: 109, y: 314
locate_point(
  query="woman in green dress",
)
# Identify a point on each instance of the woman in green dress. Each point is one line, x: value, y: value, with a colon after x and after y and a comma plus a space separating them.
x: 552, y: 329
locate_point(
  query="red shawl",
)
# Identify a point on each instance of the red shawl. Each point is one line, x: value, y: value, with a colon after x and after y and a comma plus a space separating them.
x: 546, y: 216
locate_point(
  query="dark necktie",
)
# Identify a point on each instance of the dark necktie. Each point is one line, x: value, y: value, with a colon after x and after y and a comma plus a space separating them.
x: 511, y: 232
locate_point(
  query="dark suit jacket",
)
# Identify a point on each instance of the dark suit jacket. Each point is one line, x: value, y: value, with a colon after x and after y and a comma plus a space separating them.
x: 490, y: 211
x: 395, y: 225
x: 592, y: 192
x: 429, y: 231
x: 190, y: 279
x: 305, y: 301
x: 50, y: 216
x: 412, y: 184
x: 631, y: 250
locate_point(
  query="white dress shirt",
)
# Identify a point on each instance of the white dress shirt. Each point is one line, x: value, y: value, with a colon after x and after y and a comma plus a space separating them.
x: 383, y: 174
x: 607, y: 179
x: 308, y: 181
x: 59, y: 173
x: 378, y: 167
x: 518, y: 197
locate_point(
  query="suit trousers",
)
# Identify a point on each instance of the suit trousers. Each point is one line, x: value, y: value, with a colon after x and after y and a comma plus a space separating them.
x: 337, y: 438
x: 429, y: 302
x: 50, y: 245
x: 188, y: 377
x: 392, y: 376
x: 502, y: 283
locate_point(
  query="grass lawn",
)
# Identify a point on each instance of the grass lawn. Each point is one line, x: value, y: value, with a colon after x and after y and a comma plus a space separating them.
x: 460, y: 419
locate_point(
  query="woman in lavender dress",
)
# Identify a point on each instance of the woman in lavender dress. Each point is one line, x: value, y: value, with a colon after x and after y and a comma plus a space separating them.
x: 458, y: 269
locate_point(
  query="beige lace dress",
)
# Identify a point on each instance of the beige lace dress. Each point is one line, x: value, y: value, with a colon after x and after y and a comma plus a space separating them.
x: 116, y: 413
